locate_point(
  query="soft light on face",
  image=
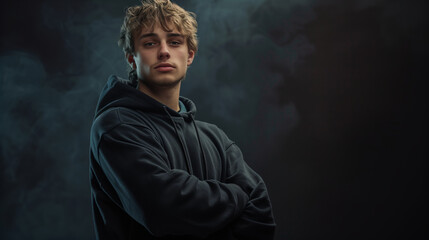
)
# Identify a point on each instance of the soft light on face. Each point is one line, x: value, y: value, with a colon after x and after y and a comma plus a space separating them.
x: 161, y: 58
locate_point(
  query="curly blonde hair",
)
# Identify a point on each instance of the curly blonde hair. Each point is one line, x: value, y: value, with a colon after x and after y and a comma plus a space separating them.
x: 164, y: 12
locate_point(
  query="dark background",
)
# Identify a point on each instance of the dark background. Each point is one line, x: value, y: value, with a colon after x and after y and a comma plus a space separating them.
x: 327, y: 100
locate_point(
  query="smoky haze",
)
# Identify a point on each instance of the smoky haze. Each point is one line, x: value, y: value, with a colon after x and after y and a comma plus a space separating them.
x: 326, y: 99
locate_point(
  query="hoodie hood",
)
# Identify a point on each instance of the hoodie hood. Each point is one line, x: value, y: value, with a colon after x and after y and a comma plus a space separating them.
x: 120, y: 92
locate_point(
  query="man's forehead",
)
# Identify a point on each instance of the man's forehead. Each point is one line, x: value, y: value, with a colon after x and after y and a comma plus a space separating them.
x: 158, y: 29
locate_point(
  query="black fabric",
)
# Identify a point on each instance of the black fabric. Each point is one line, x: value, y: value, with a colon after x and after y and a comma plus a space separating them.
x: 159, y: 174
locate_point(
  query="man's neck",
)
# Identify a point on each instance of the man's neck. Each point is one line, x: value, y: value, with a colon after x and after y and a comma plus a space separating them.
x: 168, y: 96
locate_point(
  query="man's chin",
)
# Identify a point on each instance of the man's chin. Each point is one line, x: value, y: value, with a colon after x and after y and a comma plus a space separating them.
x: 162, y: 82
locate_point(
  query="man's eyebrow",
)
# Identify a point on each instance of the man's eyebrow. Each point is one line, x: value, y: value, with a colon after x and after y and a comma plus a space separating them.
x: 156, y: 35
x: 148, y: 35
x: 174, y: 35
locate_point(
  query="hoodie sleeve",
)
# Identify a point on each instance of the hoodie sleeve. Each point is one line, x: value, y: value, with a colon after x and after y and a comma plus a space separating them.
x: 256, y: 221
x: 165, y: 201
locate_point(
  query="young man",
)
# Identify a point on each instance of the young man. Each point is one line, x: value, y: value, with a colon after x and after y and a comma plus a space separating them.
x: 156, y: 172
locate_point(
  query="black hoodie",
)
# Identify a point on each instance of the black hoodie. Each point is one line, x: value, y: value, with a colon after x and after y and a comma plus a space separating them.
x: 159, y: 174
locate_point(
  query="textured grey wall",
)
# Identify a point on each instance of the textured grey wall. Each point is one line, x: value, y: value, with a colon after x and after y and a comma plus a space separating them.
x: 327, y: 100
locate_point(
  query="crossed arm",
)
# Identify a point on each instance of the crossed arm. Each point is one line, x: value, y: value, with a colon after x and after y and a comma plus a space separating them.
x: 172, y: 202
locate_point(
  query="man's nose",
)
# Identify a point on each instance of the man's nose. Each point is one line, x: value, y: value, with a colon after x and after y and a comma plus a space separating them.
x: 164, y: 53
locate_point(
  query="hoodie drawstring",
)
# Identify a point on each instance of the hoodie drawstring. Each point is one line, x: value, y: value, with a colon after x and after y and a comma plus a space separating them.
x: 188, y: 160
x: 201, y: 148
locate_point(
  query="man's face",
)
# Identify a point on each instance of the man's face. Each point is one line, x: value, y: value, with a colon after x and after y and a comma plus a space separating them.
x: 161, y: 58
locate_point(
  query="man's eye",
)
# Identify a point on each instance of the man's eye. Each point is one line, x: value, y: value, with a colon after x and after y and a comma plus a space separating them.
x: 149, y: 44
x: 175, y: 42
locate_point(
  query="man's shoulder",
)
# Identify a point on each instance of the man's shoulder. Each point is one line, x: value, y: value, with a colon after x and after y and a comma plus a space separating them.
x: 116, y: 116
x: 206, y: 126
x: 122, y: 122
x: 213, y: 131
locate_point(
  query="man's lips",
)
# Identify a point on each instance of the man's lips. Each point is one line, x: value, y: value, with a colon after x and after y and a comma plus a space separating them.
x: 164, y: 67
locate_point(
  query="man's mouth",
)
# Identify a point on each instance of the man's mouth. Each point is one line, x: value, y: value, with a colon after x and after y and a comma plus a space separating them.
x: 164, y: 67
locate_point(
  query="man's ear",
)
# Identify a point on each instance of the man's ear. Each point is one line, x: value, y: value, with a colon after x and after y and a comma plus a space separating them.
x: 130, y: 60
x: 191, y: 56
